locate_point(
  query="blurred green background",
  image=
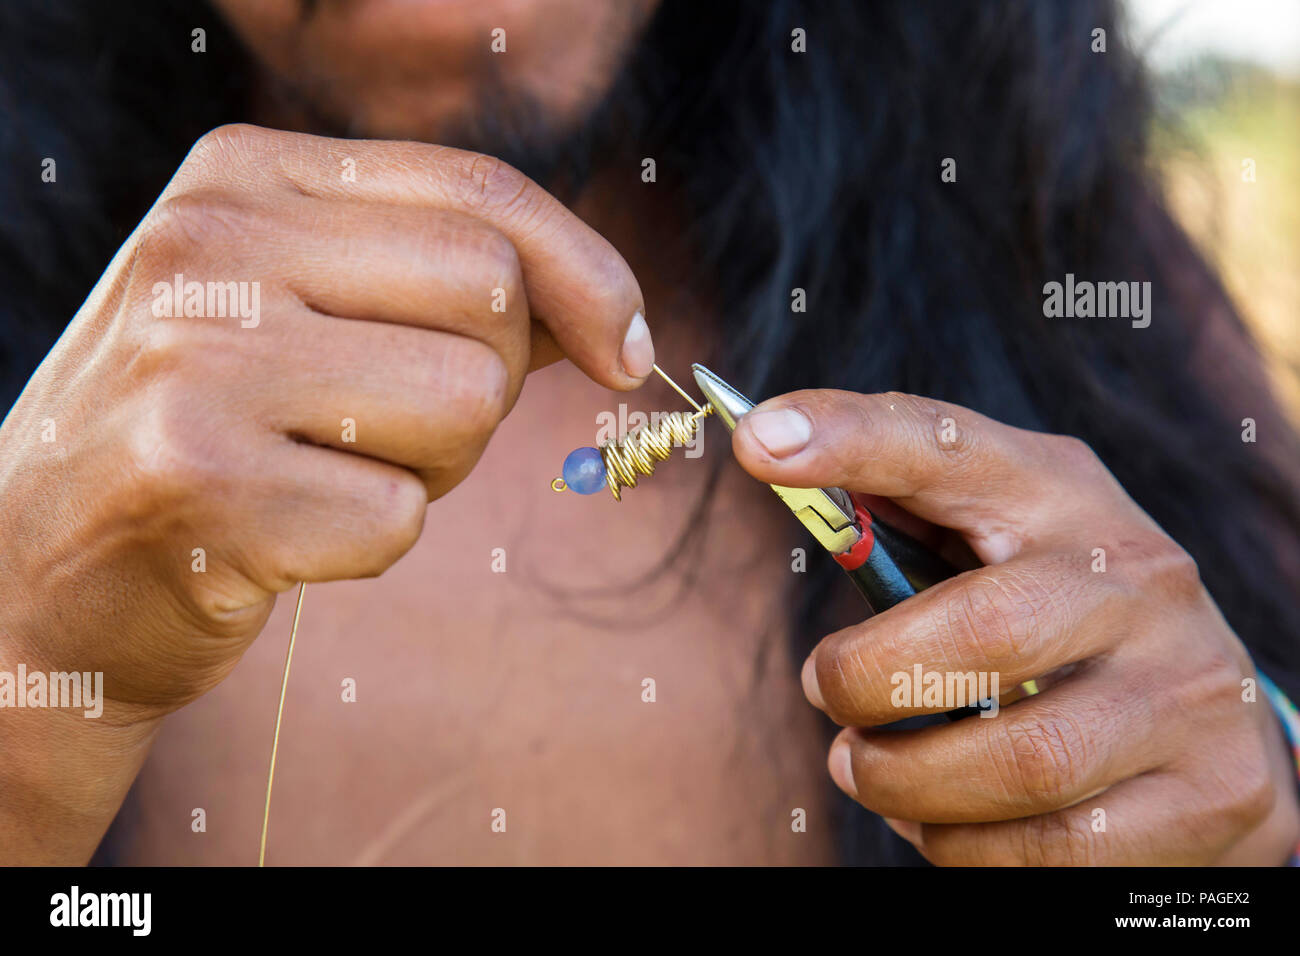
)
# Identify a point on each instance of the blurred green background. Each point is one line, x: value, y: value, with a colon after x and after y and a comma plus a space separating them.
x: 1227, y: 80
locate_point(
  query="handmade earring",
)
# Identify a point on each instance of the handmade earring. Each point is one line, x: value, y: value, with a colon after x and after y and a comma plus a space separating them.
x: 616, y: 463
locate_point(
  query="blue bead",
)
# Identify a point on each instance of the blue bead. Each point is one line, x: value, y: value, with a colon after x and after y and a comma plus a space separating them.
x: 584, y: 471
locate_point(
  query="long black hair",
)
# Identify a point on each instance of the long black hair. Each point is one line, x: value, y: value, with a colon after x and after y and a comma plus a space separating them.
x: 817, y: 170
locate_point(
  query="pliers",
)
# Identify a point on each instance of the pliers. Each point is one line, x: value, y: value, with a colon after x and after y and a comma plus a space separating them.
x: 887, y: 566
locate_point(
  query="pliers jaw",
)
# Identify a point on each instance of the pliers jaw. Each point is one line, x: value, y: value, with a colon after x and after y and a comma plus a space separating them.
x: 826, y: 512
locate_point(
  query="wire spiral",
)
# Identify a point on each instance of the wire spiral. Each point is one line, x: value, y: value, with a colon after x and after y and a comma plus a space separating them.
x: 637, y: 452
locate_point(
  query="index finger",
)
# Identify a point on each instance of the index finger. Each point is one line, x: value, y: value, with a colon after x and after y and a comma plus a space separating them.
x: 1002, y: 487
x: 578, y: 286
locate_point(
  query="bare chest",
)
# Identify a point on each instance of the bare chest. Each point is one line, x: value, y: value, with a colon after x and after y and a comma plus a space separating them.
x: 522, y: 687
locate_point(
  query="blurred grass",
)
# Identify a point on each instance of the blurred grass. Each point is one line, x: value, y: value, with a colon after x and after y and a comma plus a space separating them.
x: 1212, y: 116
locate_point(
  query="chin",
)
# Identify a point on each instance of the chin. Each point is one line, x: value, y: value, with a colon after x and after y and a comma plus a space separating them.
x: 412, y: 69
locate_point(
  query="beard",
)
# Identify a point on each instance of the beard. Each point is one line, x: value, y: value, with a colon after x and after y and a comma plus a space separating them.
x: 512, y: 125
x: 504, y: 119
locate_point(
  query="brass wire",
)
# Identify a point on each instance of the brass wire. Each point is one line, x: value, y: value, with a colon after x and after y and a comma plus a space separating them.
x: 279, y: 714
x: 637, y: 452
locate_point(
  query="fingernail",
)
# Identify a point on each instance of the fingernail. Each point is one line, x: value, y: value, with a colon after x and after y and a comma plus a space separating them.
x: 909, y: 830
x: 811, y: 690
x: 840, y: 764
x: 638, y: 356
x: 782, y: 432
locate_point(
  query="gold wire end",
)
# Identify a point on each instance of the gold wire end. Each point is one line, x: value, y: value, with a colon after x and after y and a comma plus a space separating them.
x: 558, y: 484
x: 677, y: 388
x: 279, y: 716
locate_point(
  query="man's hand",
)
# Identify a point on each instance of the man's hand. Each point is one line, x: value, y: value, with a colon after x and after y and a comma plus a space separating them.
x: 168, y: 470
x: 1146, y: 723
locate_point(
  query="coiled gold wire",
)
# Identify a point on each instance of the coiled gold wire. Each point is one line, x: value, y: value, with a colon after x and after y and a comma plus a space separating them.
x: 637, y: 452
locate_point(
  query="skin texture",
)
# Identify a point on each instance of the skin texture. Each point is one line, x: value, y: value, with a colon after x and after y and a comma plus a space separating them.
x: 199, y: 432
x: 479, y: 690
x: 1149, y: 725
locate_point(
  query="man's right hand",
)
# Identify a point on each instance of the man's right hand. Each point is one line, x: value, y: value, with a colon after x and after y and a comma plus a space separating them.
x: 298, y: 444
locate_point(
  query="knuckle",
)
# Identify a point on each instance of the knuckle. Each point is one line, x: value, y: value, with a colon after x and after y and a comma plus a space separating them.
x: 992, y: 616
x: 159, y: 350
x: 1178, y: 571
x: 1219, y: 676
x: 913, y: 404
x: 608, y: 287
x: 1255, y: 793
x: 401, y: 520
x: 1045, y: 755
x: 861, y: 415
x: 1063, y: 838
x: 168, y: 458
x: 1072, y: 455
x: 857, y: 415
x: 928, y: 425
x: 1237, y: 793
x: 1165, y: 568
x: 957, y: 439
x: 181, y: 225
x: 493, y: 185
x: 500, y: 260
x: 472, y: 381
x: 226, y: 143
x: 1210, y: 680
x: 842, y: 667
x: 221, y: 614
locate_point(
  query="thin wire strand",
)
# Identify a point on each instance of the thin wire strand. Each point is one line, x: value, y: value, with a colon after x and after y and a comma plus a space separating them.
x: 279, y: 714
x: 677, y: 388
